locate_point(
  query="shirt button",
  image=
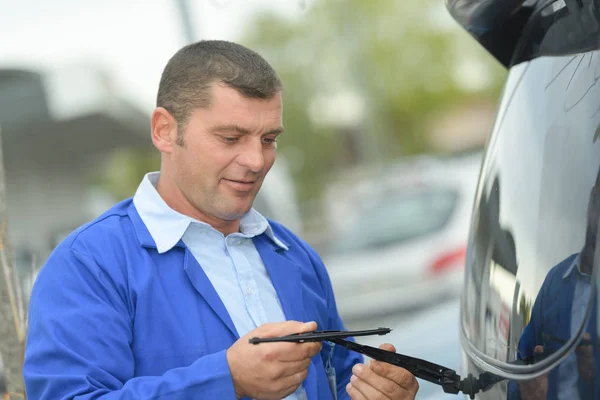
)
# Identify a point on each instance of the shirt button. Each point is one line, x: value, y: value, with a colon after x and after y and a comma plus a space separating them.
x: 249, y: 291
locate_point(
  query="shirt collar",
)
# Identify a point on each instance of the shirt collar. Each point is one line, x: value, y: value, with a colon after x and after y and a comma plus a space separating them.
x: 575, y: 266
x: 167, y: 226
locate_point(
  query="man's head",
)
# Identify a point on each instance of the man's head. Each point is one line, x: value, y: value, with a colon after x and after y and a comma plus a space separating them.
x: 219, y: 111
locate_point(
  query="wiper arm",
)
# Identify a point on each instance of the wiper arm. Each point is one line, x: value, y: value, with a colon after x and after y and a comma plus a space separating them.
x: 445, y: 377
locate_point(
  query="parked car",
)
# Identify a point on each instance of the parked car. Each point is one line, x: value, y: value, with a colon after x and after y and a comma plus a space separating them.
x: 405, y: 247
x: 420, y: 336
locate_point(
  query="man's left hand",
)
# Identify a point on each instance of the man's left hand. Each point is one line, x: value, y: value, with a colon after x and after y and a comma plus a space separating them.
x: 378, y: 380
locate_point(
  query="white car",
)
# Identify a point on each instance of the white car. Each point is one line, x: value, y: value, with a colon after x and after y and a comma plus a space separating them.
x: 406, y: 247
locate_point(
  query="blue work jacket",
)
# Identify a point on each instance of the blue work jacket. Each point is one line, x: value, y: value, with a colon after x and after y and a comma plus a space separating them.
x: 551, y: 319
x: 111, y: 318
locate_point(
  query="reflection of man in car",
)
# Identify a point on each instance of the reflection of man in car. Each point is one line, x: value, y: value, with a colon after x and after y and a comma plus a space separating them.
x: 557, y: 314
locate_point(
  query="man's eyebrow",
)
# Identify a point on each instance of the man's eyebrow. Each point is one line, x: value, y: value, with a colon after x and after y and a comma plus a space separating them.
x: 276, y: 131
x: 243, y: 131
x: 229, y: 128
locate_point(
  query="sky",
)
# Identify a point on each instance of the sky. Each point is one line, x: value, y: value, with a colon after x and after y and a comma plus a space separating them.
x: 131, y: 39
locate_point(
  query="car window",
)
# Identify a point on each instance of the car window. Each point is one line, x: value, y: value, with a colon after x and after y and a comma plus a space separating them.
x: 399, y: 218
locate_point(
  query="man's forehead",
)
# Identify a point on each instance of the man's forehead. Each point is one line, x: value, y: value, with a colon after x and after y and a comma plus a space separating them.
x: 220, y: 90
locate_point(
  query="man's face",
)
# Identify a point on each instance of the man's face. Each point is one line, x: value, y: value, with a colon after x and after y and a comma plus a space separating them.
x: 227, y: 150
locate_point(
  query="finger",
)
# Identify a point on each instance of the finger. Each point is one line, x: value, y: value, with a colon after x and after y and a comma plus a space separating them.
x: 300, y: 351
x: 284, y: 328
x: 398, y: 375
x: 292, y: 382
x: 293, y: 367
x: 382, y: 384
x: 284, y: 387
x: 388, y: 347
x: 401, y: 377
x: 367, y: 390
x: 538, y: 349
x: 308, y: 327
x: 586, y: 337
x: 354, y: 393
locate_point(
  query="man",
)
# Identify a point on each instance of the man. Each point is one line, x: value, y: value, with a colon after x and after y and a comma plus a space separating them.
x: 158, y: 297
x: 556, y: 316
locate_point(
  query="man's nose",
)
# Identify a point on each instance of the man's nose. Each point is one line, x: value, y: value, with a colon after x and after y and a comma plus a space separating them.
x: 252, y: 157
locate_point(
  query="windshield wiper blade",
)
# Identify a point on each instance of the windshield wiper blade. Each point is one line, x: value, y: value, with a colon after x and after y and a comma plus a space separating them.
x: 447, y: 378
x: 319, y: 336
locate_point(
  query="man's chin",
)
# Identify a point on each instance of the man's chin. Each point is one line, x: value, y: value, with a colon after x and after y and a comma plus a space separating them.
x: 235, y: 213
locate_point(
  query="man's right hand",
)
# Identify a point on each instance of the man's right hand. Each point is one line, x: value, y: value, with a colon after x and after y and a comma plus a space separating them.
x: 271, y: 370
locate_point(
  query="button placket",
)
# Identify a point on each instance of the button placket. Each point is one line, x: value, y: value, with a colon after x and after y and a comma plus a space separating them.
x: 246, y: 280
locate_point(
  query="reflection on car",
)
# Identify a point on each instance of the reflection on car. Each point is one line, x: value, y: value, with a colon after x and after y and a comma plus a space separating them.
x: 404, y: 247
x: 530, y: 304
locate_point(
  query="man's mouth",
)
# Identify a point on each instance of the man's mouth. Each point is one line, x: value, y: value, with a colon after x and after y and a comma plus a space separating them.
x: 240, y: 185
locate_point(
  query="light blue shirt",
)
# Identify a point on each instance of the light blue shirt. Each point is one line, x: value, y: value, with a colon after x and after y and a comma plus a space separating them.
x: 232, y: 263
x: 568, y: 374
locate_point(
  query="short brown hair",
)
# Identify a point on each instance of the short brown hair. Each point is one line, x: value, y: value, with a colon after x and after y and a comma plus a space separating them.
x: 187, y: 78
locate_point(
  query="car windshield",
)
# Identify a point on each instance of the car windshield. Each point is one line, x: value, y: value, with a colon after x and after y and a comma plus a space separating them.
x: 398, y: 219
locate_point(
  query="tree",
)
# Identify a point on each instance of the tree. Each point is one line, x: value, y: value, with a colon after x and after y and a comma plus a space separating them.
x: 402, y: 59
x: 363, y: 81
x: 12, y: 313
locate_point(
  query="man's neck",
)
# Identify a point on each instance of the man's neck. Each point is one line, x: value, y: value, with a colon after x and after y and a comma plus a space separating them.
x: 586, y: 261
x: 178, y: 202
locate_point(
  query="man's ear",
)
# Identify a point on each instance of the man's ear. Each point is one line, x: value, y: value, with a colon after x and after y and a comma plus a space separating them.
x: 164, y: 130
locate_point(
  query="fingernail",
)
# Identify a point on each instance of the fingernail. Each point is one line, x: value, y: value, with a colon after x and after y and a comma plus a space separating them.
x: 353, y: 378
x: 349, y: 386
x: 308, y: 324
x: 357, y: 369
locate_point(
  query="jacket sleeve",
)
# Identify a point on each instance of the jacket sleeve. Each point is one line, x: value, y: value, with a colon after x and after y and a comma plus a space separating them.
x: 343, y: 359
x: 80, y: 336
x: 532, y: 334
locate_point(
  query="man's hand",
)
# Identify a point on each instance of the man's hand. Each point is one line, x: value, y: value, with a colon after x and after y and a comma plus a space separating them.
x: 585, y: 359
x: 379, y: 380
x: 536, y: 388
x: 271, y: 370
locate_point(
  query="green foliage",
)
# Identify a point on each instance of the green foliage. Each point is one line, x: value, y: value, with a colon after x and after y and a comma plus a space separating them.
x: 125, y: 170
x: 401, y: 57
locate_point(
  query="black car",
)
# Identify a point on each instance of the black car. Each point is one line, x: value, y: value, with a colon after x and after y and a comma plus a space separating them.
x: 529, y: 323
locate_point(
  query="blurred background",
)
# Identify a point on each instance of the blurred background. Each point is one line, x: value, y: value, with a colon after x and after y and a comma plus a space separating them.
x: 387, y: 107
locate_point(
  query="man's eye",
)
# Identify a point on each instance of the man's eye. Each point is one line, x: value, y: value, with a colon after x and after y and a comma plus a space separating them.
x: 270, y: 140
x: 230, y: 139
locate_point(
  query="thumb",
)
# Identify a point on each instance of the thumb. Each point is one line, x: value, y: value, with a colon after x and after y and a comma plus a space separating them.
x: 538, y: 349
x: 308, y: 327
x: 291, y: 327
x: 388, y: 347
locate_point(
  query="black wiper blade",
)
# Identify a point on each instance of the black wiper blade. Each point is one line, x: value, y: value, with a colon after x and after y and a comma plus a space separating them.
x: 447, y: 378
x: 319, y: 336
x: 434, y: 373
